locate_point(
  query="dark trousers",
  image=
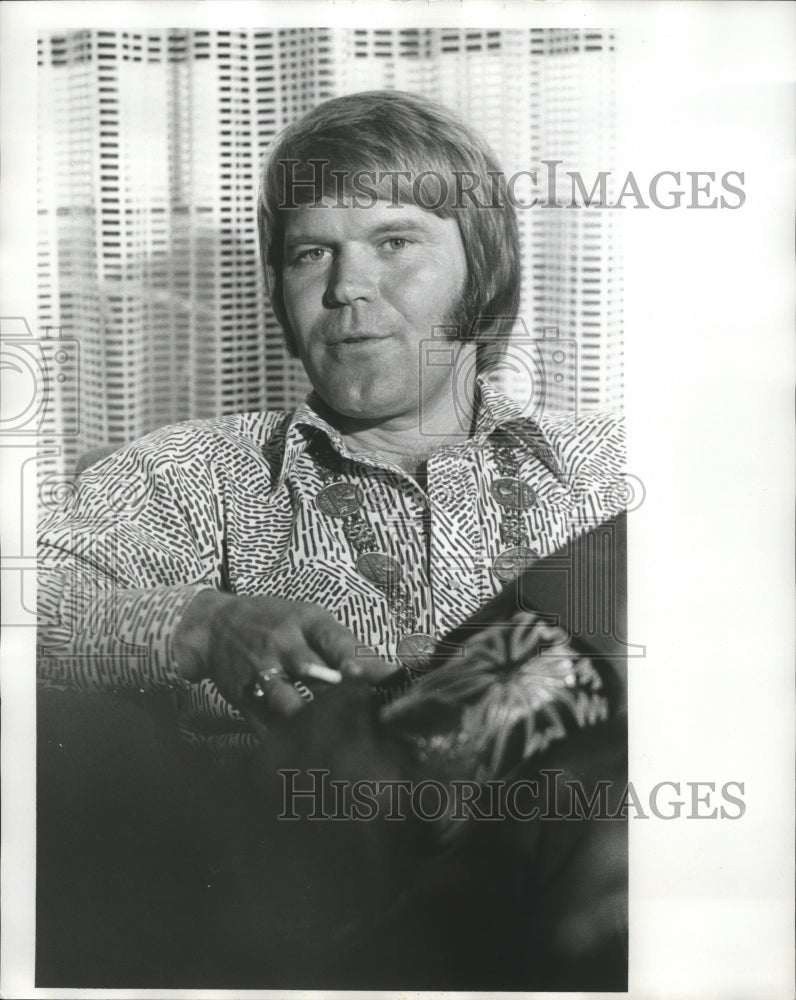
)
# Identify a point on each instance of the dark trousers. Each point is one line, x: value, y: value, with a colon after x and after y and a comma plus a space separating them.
x: 156, y: 871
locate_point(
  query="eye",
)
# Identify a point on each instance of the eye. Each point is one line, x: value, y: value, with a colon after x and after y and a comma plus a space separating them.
x: 311, y: 255
x: 396, y: 243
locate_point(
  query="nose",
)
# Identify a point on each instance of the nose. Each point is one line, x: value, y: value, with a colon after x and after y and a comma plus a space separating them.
x: 352, y: 278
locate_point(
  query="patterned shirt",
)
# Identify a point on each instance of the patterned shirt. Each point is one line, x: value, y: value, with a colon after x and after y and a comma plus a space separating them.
x: 231, y: 504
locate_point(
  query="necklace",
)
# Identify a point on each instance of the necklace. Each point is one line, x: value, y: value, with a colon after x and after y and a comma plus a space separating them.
x: 343, y: 501
x: 514, y: 496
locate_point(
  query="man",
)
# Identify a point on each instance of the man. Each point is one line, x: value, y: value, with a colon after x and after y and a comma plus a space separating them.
x: 237, y: 560
x: 246, y: 565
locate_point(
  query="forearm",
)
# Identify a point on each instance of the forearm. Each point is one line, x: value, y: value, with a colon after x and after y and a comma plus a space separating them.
x: 113, y: 639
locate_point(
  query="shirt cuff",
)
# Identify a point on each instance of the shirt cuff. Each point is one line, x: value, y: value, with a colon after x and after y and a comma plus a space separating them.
x: 117, y: 641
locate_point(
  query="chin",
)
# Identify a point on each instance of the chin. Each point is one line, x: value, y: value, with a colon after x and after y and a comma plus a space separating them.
x: 368, y: 404
x: 364, y: 411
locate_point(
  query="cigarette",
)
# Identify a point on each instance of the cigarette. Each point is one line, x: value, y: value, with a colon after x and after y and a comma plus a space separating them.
x: 319, y: 672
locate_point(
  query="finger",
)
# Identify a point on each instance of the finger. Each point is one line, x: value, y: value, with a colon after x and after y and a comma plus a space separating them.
x: 273, y: 692
x: 262, y: 722
x: 340, y: 649
x: 330, y: 642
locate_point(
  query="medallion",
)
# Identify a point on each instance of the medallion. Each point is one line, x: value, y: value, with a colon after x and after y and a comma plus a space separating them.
x: 415, y: 649
x: 379, y: 568
x: 339, y: 499
x: 511, y: 562
x: 513, y: 493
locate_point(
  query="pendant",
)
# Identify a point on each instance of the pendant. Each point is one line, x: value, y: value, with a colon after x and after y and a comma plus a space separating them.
x: 511, y: 562
x: 415, y: 649
x: 379, y: 568
x: 339, y: 499
x: 513, y: 493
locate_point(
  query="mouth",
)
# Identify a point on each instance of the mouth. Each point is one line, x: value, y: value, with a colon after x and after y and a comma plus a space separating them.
x: 357, y: 338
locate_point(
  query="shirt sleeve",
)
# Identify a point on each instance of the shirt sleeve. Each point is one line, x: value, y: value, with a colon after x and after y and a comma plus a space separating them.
x: 121, y: 560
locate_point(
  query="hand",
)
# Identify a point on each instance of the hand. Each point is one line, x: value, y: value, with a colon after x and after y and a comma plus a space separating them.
x: 263, y: 644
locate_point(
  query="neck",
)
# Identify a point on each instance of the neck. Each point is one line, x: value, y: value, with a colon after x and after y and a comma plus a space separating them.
x: 408, y: 440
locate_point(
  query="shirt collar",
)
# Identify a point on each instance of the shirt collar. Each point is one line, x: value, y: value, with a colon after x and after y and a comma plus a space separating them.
x: 501, y: 418
x: 497, y: 416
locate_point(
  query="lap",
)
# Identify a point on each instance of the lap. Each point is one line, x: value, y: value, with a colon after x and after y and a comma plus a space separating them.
x: 156, y: 870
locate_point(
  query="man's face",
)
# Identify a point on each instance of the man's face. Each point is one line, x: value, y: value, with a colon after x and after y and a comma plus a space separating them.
x: 363, y: 289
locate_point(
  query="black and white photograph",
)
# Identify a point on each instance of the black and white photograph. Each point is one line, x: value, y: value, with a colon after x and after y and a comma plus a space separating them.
x: 398, y: 442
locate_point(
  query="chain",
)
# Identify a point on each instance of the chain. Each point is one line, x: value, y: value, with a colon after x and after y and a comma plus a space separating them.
x: 384, y: 574
x: 343, y: 501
